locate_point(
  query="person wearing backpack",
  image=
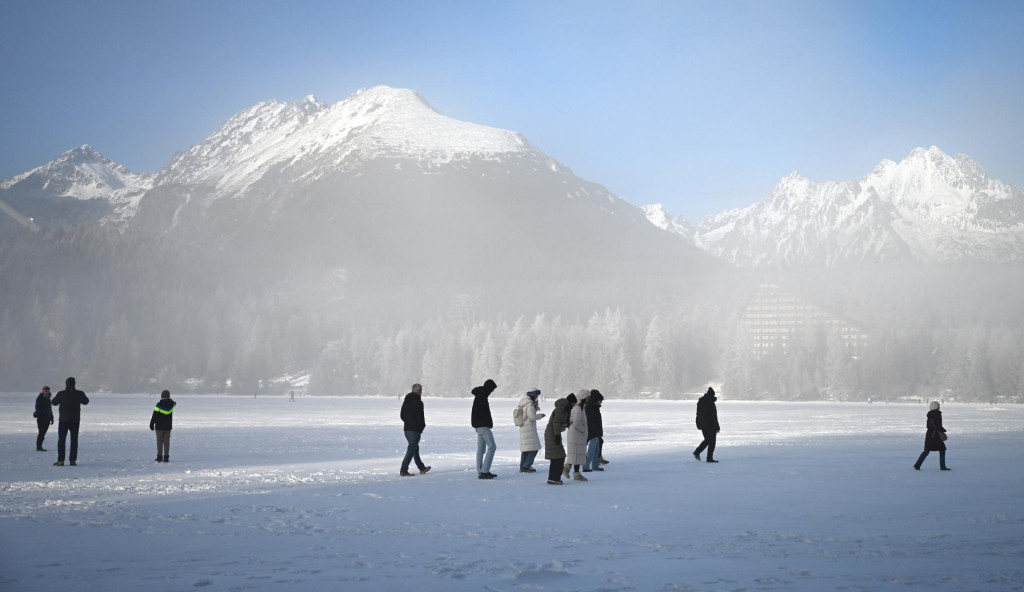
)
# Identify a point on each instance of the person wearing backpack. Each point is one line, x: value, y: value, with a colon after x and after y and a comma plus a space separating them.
x: 525, y: 417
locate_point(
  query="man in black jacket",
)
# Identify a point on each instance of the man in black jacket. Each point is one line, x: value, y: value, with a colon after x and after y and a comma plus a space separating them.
x: 414, y: 423
x: 707, y: 422
x: 482, y: 423
x: 161, y: 423
x: 44, y: 417
x: 69, y: 401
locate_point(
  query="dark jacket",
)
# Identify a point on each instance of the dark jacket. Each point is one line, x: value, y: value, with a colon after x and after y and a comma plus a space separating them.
x: 481, y: 417
x: 707, y: 412
x: 70, y: 401
x: 934, y: 426
x: 44, y: 411
x: 412, y: 413
x: 595, y: 427
x: 162, y: 418
x: 557, y: 423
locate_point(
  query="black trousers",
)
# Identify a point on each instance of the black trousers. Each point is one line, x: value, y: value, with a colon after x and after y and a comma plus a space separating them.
x: 63, y: 428
x: 709, y: 442
x: 555, y: 472
x: 44, y: 425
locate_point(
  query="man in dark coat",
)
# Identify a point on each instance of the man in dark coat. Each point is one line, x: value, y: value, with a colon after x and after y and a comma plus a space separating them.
x: 414, y: 422
x: 558, y: 421
x: 482, y: 423
x: 161, y: 423
x: 44, y: 417
x: 69, y: 401
x: 933, y: 437
x: 707, y: 423
x: 595, y: 431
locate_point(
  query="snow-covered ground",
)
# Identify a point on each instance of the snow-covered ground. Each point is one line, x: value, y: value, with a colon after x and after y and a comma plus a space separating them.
x: 266, y: 494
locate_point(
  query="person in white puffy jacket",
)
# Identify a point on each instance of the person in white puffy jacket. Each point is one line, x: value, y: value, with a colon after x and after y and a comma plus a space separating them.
x: 529, y: 440
x: 576, y: 442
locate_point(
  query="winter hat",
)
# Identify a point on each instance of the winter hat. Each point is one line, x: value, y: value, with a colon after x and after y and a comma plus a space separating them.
x: 534, y: 393
x: 166, y: 394
x: 934, y: 405
x: 70, y: 382
x: 582, y: 394
x: 46, y: 389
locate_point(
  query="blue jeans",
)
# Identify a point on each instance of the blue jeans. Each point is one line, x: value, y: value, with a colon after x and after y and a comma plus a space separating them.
x: 484, y: 442
x: 526, y: 458
x: 594, y: 454
x: 412, y: 451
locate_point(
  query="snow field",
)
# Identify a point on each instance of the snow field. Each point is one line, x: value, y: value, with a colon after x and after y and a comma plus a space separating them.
x: 265, y: 494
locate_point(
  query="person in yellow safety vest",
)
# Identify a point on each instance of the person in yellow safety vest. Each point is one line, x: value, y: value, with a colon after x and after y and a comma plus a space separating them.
x: 161, y: 424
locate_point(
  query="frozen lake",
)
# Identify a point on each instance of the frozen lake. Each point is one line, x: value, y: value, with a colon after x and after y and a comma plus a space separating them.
x: 266, y: 494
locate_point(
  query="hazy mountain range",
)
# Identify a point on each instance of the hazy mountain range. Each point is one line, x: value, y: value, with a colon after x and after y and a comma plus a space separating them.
x: 364, y: 166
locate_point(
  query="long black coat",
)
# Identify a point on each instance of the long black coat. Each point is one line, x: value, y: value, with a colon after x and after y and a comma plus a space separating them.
x: 707, y: 414
x: 558, y: 421
x: 595, y: 425
x: 934, y: 426
x: 412, y: 413
x: 70, y: 401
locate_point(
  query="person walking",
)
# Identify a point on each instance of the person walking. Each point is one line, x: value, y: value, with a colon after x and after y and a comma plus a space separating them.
x: 160, y: 423
x: 576, y: 441
x: 69, y: 403
x: 934, y: 437
x: 483, y: 424
x: 44, y: 417
x: 526, y: 416
x: 553, y: 449
x: 707, y: 423
x: 595, y: 431
x: 414, y: 422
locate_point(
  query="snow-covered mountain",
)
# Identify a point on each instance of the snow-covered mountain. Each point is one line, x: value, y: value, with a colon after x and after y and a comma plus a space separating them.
x: 79, y: 185
x: 306, y: 140
x: 660, y: 217
x: 928, y: 207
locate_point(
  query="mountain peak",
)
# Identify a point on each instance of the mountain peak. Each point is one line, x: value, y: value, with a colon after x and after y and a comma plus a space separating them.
x: 305, y: 139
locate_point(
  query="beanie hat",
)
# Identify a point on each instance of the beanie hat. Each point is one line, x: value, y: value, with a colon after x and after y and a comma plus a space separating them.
x: 582, y: 394
x: 534, y: 393
x: 934, y: 405
x: 46, y: 388
x: 166, y: 394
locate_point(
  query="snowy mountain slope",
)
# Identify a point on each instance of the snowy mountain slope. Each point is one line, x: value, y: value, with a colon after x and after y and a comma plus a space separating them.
x: 657, y: 214
x: 307, y: 140
x: 928, y: 207
x: 79, y: 185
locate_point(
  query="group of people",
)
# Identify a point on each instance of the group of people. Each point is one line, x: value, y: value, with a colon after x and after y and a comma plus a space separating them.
x: 69, y: 404
x: 578, y: 413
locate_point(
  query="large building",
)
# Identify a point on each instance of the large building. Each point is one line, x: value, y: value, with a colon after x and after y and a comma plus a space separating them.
x: 775, y: 318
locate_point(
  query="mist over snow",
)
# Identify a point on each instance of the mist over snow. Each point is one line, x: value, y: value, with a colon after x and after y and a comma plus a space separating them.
x: 376, y: 242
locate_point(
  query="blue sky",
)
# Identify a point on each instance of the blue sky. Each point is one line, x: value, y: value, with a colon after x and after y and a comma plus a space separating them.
x: 702, y: 106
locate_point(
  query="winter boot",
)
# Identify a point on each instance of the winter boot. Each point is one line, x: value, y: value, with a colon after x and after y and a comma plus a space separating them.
x: 603, y: 461
x: 917, y: 467
x: 406, y: 474
x: 711, y: 460
x: 159, y: 458
x: 554, y: 482
x: 59, y: 463
x: 424, y: 470
x: 72, y: 463
x: 166, y: 459
x: 696, y: 455
x: 579, y: 477
x: 565, y: 471
x: 486, y: 476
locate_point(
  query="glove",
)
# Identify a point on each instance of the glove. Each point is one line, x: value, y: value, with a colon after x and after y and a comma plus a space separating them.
x: 152, y: 428
x: 541, y: 416
x: 35, y: 414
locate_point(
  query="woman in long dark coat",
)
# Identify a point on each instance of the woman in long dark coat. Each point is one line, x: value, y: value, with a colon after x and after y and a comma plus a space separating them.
x: 553, y: 449
x: 932, y: 438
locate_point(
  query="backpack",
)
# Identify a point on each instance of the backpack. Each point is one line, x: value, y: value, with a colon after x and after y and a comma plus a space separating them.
x: 519, y: 416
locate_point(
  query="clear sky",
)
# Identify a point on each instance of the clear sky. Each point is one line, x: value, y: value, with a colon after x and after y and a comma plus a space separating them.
x: 702, y: 106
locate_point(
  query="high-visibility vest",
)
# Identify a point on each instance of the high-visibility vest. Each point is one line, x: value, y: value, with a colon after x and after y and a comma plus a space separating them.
x: 165, y: 411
